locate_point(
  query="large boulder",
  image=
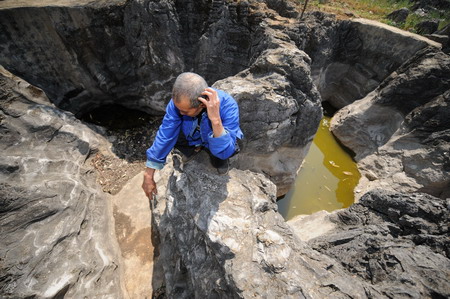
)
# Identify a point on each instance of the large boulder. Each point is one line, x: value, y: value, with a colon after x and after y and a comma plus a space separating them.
x: 397, y: 242
x: 222, y: 237
x: 365, y: 54
x: 84, y: 55
x: 399, y: 132
x: 56, y: 231
x: 416, y: 158
x: 280, y: 113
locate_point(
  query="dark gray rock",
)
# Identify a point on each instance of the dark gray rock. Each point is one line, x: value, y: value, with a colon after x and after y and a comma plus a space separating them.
x: 283, y: 8
x: 431, y: 4
x: 351, y: 58
x: 442, y: 39
x: 130, y: 53
x: 55, y: 224
x: 445, y: 31
x: 398, y: 242
x: 123, y: 52
x: 221, y: 237
x: 399, y: 15
x: 427, y: 26
x: 280, y: 111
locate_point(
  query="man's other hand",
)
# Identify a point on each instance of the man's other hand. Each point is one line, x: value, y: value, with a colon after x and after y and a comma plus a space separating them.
x: 149, y: 185
x: 213, y: 109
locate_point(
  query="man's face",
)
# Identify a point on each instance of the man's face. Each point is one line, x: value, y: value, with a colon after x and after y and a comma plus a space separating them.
x: 184, y: 105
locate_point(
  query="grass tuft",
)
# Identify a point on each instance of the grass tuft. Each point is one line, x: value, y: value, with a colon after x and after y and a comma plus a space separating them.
x: 377, y: 10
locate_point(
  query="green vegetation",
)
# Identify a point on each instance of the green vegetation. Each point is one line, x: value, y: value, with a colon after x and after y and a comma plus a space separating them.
x: 376, y: 10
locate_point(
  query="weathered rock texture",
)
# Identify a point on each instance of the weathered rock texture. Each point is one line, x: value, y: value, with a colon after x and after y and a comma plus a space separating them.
x: 279, y: 110
x: 400, y: 132
x: 129, y: 53
x: 56, y: 233
x: 365, y: 53
x: 222, y: 237
x: 397, y: 242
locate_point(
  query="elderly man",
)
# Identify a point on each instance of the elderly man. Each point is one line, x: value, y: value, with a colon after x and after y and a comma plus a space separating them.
x: 196, y: 117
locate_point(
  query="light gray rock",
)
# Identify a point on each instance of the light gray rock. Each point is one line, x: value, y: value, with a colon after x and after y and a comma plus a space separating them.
x: 56, y: 230
x: 416, y: 158
x: 280, y: 112
x: 362, y: 55
x: 221, y: 237
x: 380, y: 114
x: 399, y: 132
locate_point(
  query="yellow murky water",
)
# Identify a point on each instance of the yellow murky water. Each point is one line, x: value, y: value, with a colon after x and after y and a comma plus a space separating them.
x: 325, y: 181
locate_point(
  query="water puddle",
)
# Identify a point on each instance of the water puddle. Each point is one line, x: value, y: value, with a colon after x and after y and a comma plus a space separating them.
x: 325, y: 181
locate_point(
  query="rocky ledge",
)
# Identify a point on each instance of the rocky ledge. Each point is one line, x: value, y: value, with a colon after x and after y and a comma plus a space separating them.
x: 221, y: 236
x: 224, y: 238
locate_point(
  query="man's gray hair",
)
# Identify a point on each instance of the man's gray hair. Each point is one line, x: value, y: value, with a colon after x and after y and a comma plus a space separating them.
x: 189, y: 85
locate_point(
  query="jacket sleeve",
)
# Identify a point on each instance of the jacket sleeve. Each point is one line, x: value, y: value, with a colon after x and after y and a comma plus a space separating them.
x: 165, y: 139
x: 224, y: 146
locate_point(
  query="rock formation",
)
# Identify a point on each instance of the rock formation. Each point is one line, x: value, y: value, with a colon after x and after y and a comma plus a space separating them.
x: 365, y: 54
x: 221, y: 235
x: 129, y: 53
x: 388, y: 238
x: 223, y: 238
x: 55, y: 223
x: 399, y: 132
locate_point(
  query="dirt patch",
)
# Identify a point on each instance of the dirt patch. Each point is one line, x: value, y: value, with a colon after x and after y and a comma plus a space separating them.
x: 113, y: 173
x: 128, y: 148
x: 133, y: 242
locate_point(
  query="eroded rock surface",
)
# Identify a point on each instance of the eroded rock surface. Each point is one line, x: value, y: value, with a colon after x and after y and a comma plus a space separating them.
x: 129, y: 53
x: 55, y: 223
x: 366, y: 53
x: 279, y: 112
x: 400, y: 132
x: 222, y: 237
x: 398, y: 242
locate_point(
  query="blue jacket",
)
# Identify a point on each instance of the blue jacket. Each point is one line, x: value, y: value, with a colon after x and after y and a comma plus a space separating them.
x: 222, y: 147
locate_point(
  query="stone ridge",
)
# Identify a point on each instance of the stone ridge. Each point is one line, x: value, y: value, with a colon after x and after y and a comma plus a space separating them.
x: 222, y: 237
x: 399, y: 132
x: 9, y: 4
x: 55, y: 224
x: 388, y: 238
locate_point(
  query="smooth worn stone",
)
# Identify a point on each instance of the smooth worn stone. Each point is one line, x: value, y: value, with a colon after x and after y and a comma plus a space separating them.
x: 400, y: 140
x: 366, y: 53
x: 56, y: 230
x: 137, y: 241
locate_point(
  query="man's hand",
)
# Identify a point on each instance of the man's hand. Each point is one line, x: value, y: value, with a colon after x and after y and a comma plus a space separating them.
x: 149, y: 185
x: 213, y: 108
